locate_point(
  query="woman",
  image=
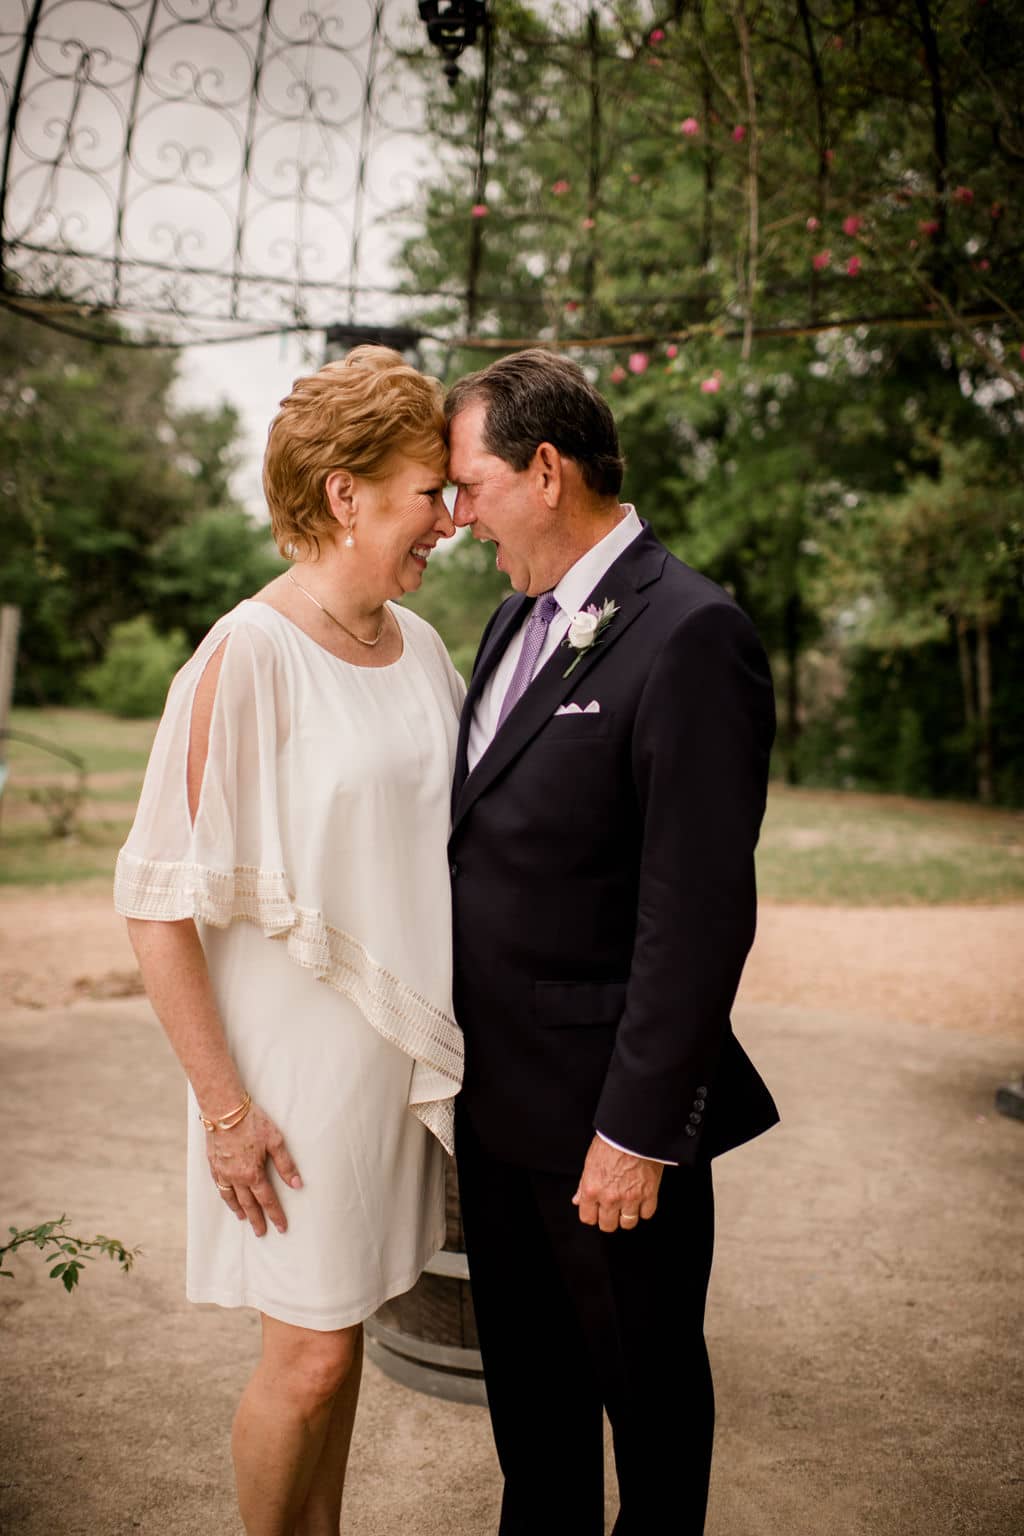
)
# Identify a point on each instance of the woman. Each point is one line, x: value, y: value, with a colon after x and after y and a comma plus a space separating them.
x: 291, y: 833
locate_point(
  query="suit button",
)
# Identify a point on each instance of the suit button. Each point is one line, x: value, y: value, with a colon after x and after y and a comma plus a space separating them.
x: 691, y: 1130
x: 698, y: 1103
x: 453, y: 869
x: 695, y: 1118
x: 702, y: 1093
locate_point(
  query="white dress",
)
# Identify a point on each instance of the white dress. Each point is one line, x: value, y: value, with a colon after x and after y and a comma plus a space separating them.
x: 316, y: 871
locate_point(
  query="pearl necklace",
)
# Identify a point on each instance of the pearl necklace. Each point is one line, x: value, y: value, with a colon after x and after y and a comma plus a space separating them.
x: 334, y: 620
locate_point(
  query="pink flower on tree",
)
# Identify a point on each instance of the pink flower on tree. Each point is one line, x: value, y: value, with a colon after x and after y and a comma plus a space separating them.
x: 739, y: 133
x: 617, y: 374
x: 657, y: 36
x: 479, y: 210
x: 984, y: 265
x: 821, y: 260
x: 635, y: 178
x: 671, y: 350
x: 852, y: 225
x: 830, y: 155
x: 711, y: 386
x: 638, y: 362
x: 589, y: 223
x: 996, y: 211
x: 837, y: 43
x: 963, y: 195
x: 560, y: 187
x: 813, y: 224
x: 853, y: 267
x: 929, y: 227
x: 571, y: 306
x: 690, y: 127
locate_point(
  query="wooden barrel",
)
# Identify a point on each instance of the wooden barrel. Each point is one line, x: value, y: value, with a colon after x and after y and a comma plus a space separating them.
x: 427, y: 1338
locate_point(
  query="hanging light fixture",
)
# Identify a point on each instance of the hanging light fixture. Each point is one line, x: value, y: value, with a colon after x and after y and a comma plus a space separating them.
x: 452, y: 25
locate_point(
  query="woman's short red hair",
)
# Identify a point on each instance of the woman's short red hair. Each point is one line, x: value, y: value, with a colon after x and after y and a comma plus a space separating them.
x: 356, y: 414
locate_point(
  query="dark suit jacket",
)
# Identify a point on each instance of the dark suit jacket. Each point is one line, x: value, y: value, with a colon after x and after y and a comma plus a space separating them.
x: 603, y: 880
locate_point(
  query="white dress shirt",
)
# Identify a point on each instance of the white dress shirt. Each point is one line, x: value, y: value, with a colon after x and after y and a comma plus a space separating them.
x: 570, y: 594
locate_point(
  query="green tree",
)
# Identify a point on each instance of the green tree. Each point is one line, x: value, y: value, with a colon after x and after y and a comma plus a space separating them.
x: 96, y: 468
x: 134, y: 675
x: 943, y: 558
x: 664, y: 184
x: 203, y: 567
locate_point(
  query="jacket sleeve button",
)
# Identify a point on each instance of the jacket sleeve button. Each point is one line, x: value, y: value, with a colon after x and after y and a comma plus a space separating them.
x: 691, y: 1130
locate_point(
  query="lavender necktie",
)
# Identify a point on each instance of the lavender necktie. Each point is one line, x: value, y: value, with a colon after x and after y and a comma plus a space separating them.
x: 544, y: 610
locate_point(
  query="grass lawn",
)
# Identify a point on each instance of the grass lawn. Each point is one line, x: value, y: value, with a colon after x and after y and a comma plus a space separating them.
x: 115, y: 753
x: 838, y: 848
x: 108, y: 745
x: 818, y: 846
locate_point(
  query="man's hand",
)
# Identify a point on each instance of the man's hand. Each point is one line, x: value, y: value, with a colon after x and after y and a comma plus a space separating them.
x: 617, y: 1189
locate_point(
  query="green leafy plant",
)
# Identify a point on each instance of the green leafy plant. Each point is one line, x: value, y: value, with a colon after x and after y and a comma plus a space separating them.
x: 52, y: 1238
x: 134, y: 675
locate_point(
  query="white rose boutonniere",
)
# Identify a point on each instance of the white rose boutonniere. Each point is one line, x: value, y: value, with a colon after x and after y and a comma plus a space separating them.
x: 586, y: 629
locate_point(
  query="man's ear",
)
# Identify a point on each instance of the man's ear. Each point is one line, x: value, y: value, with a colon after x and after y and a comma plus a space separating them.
x: 547, y: 466
x: 339, y: 489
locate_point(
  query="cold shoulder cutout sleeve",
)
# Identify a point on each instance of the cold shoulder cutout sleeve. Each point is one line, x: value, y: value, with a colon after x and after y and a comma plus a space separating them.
x: 229, y: 862
x: 306, y: 828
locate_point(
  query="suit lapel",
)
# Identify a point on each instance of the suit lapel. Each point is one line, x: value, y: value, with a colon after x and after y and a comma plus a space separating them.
x: 638, y: 565
x: 506, y: 622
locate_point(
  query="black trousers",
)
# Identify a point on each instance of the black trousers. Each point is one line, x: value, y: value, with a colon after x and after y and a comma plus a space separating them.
x: 573, y: 1320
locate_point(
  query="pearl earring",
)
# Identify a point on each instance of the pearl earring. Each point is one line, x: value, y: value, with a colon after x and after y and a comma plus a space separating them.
x: 350, y: 542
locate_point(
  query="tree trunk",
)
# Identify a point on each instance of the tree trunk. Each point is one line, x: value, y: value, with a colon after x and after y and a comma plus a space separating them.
x: 791, y: 718
x: 983, y: 658
x: 963, y: 651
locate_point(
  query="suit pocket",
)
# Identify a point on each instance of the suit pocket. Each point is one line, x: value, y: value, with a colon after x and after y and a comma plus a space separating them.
x: 581, y: 727
x: 579, y: 1004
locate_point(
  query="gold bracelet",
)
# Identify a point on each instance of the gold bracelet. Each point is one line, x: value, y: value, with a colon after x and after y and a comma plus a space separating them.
x: 231, y: 1119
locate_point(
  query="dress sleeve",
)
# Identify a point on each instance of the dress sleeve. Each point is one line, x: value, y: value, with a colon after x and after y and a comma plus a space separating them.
x: 229, y: 863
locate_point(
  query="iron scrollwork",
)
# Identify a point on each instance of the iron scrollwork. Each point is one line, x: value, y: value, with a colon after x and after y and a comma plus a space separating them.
x: 210, y: 165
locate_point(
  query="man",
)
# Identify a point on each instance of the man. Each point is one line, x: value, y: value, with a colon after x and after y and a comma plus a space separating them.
x: 609, y: 789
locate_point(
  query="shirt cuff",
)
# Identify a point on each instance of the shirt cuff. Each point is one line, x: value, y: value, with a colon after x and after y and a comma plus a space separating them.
x: 667, y: 1162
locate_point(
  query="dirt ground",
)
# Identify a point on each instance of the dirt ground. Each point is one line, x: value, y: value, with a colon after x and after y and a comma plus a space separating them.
x: 951, y: 967
x: 865, y: 1313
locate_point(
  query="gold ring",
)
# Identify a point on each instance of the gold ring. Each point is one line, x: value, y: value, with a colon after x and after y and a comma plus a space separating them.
x: 222, y: 1186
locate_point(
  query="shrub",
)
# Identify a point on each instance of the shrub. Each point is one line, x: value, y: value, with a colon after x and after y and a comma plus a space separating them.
x: 133, y: 677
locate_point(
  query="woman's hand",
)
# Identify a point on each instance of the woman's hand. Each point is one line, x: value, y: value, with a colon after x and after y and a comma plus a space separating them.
x: 238, y: 1162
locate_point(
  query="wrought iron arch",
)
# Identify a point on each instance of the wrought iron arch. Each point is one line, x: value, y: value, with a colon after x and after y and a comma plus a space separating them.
x: 214, y: 167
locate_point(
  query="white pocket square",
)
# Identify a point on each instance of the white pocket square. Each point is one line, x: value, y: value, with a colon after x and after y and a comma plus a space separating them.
x: 593, y: 708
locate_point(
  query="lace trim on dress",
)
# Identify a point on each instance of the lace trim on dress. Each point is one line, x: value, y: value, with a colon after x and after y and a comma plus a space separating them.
x: 163, y: 892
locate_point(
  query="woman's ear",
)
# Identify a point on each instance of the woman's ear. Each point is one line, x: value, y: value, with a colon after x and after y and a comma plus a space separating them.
x: 339, y: 489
